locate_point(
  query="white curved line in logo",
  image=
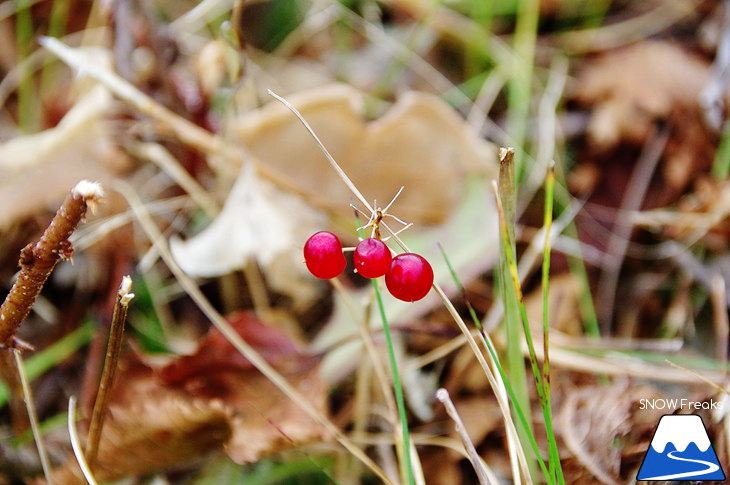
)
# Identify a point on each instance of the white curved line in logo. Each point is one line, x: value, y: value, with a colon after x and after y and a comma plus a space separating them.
x: 711, y: 467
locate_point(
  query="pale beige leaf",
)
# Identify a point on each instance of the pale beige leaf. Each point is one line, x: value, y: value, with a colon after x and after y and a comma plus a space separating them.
x: 258, y: 221
x: 419, y: 143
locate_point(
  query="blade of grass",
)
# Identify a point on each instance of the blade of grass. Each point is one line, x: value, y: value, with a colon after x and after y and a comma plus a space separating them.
x: 520, y: 86
x: 76, y: 443
x: 553, y: 451
x: 23, y: 42
x: 721, y: 165
x: 55, y: 353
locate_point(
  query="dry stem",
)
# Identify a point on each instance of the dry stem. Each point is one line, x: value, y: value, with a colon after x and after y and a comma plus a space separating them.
x: 124, y: 296
x: 38, y: 260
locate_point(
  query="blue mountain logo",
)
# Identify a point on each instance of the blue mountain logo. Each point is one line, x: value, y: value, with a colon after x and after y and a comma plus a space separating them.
x: 680, y: 450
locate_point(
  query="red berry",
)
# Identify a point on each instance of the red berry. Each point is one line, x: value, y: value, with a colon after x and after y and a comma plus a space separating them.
x: 372, y: 258
x: 410, y: 277
x: 323, y: 255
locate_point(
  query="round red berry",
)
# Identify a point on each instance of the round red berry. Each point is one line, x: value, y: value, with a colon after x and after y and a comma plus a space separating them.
x: 372, y: 258
x: 410, y: 277
x: 323, y: 255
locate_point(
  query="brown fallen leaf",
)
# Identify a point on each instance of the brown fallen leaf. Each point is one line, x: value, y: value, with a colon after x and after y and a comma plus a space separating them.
x: 214, y: 398
x: 632, y: 90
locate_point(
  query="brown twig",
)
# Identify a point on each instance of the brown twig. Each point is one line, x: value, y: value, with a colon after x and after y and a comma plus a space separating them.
x: 124, y: 296
x: 38, y: 260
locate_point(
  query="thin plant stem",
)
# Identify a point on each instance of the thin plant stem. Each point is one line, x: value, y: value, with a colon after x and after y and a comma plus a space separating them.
x: 443, y: 396
x: 76, y: 442
x: 398, y: 389
x: 547, y: 225
x: 32, y: 416
x: 350, y: 185
x: 116, y: 336
x: 497, y: 385
x: 553, y: 451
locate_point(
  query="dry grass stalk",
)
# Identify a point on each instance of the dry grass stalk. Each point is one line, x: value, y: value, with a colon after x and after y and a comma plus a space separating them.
x: 124, y: 296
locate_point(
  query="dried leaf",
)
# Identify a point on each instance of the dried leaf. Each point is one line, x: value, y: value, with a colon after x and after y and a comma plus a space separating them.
x: 80, y: 147
x: 257, y: 221
x: 211, y: 399
x: 592, y: 419
x: 419, y: 143
x: 631, y: 88
x: 630, y: 91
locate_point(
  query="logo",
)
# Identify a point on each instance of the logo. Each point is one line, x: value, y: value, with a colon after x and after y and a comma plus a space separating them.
x: 680, y: 450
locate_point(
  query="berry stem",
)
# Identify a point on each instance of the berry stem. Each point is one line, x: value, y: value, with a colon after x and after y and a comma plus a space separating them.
x: 397, y: 387
x: 326, y: 153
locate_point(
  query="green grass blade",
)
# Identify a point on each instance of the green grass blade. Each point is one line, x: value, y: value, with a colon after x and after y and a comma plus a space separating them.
x: 553, y: 451
x: 397, y: 387
x: 55, y: 353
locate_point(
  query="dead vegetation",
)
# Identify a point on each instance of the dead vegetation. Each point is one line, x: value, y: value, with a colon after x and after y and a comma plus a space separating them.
x: 256, y: 372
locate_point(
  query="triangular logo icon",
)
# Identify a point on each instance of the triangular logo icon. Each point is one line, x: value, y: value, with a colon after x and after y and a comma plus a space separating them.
x: 680, y: 450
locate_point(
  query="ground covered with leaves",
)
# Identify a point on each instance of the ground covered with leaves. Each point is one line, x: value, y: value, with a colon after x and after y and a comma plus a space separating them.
x: 237, y: 365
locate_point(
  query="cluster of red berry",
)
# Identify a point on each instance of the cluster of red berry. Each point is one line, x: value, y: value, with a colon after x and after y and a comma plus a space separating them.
x: 408, y: 276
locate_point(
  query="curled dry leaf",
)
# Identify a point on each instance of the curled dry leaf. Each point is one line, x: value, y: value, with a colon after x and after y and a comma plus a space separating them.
x: 160, y: 418
x: 419, y: 143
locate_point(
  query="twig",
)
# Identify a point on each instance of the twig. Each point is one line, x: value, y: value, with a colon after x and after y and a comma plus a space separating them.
x: 76, y: 443
x: 443, y: 396
x: 124, y: 296
x: 38, y: 260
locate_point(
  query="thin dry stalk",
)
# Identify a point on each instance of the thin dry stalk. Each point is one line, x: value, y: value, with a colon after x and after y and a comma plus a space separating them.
x: 619, y: 241
x: 76, y: 443
x: 32, y: 416
x: 443, y: 396
x: 124, y: 296
x: 38, y: 260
